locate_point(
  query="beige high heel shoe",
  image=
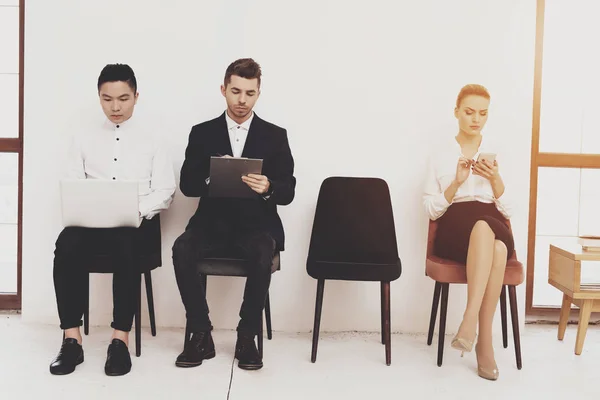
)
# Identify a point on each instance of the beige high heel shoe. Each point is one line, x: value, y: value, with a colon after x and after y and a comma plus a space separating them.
x: 462, y: 344
x: 486, y: 373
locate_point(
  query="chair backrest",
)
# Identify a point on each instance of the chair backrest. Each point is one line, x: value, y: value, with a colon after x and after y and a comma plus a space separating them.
x: 433, y: 225
x: 354, y: 222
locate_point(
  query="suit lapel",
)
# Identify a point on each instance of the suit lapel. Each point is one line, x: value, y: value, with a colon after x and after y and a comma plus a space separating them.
x: 252, y: 145
x: 223, y: 143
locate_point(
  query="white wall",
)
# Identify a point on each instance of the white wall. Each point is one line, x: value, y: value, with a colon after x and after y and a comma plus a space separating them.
x: 362, y: 88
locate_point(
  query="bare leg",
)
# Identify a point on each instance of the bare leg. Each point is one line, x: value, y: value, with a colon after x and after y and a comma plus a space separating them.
x: 479, y: 266
x: 73, y: 333
x: 485, y: 349
x: 124, y: 336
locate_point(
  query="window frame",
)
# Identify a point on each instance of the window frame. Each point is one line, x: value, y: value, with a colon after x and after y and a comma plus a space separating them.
x: 12, y: 301
x: 544, y: 159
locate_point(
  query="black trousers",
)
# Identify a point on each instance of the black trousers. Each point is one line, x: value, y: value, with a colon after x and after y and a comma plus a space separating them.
x: 195, y: 244
x: 73, y: 246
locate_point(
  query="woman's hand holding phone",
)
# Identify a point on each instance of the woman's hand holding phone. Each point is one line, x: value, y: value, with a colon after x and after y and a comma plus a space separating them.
x: 463, y: 169
x: 486, y: 166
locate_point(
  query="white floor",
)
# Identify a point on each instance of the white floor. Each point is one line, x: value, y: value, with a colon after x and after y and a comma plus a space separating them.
x: 349, y: 366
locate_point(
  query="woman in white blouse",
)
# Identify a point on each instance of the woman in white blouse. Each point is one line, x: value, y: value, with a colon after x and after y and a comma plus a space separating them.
x: 468, y: 199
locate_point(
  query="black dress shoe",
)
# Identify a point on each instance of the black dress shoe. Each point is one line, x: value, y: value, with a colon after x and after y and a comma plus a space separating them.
x: 69, y: 356
x: 118, y: 360
x: 247, y: 353
x: 200, y: 347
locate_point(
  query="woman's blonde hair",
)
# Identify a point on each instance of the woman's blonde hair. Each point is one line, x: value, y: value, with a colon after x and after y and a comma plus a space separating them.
x: 472, y: 89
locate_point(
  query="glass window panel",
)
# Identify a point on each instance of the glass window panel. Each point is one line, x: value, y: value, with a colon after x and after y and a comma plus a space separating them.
x: 590, y: 272
x: 9, y: 105
x: 9, y: 40
x: 558, y: 201
x: 569, y: 78
x: 9, y: 183
x: 590, y: 141
x: 589, y: 215
x: 8, y: 258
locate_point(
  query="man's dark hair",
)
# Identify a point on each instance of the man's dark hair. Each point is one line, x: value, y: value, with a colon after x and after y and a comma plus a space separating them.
x: 118, y: 73
x: 245, y: 68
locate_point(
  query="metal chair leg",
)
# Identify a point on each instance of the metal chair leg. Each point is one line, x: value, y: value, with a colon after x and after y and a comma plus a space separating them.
x: 514, y: 312
x: 503, y: 317
x: 317, y: 325
x: 434, y: 309
x: 268, y: 317
x: 443, y: 312
x: 150, y: 297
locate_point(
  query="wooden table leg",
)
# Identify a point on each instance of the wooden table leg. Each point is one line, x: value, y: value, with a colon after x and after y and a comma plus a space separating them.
x: 584, y: 318
x: 564, y: 316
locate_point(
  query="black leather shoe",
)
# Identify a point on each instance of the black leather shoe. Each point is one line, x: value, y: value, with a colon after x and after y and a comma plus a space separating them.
x: 118, y: 360
x: 69, y: 356
x: 200, y: 347
x: 247, y: 353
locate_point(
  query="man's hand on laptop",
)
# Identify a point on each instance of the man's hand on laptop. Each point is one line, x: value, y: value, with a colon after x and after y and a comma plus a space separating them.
x: 259, y: 183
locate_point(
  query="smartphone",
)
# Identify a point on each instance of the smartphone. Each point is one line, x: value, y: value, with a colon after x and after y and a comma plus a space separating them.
x: 490, y: 157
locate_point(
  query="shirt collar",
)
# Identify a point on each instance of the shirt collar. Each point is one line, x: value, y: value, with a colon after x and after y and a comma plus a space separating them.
x: 108, y: 124
x: 232, y: 124
x: 479, y: 150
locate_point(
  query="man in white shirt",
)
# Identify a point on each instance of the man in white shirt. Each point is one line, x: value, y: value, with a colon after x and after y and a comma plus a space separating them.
x: 120, y: 148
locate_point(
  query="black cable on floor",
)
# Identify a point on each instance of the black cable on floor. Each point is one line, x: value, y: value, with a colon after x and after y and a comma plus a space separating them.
x: 231, y: 377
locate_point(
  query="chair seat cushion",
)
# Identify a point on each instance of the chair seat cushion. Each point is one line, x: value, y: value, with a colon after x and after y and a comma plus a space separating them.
x: 351, y: 271
x: 447, y: 271
x: 230, y: 266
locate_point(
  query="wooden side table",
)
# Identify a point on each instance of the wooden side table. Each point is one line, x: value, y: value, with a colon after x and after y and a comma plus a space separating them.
x: 564, y: 273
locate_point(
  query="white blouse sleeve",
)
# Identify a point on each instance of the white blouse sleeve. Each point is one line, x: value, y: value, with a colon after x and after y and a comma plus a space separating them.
x: 162, y: 183
x: 434, y: 201
x: 74, y: 167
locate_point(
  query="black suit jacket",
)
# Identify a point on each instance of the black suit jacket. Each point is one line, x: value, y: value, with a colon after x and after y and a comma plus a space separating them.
x: 266, y: 141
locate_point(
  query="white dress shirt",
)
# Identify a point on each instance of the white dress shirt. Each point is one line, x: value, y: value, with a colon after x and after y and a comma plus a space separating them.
x: 441, y: 173
x: 130, y: 151
x: 238, y: 133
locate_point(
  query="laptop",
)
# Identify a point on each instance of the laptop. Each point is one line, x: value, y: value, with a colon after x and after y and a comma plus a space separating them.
x: 97, y: 203
x: 226, y: 176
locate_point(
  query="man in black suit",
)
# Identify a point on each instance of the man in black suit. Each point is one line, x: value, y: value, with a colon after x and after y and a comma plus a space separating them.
x: 250, y: 227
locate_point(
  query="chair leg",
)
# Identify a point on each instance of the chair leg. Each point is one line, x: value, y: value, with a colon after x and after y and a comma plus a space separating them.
x: 260, y: 337
x: 382, y: 314
x: 138, y: 322
x: 443, y: 312
x: 86, y: 310
x: 317, y: 326
x: 268, y: 317
x: 434, y: 310
x: 187, y: 335
x: 514, y: 312
x: 503, y: 317
x: 150, y: 297
x: 385, y: 289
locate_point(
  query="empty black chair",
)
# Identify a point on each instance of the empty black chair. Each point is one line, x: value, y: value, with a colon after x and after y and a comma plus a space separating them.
x: 354, y: 239
x: 147, y: 260
x: 232, y: 265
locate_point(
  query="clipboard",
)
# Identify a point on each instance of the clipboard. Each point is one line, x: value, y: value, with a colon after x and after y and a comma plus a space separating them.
x: 226, y: 176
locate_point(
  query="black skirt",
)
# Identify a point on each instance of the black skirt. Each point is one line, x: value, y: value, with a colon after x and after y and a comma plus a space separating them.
x: 455, y: 226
